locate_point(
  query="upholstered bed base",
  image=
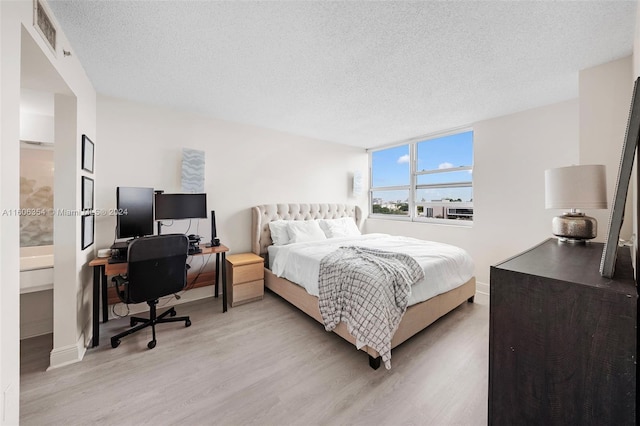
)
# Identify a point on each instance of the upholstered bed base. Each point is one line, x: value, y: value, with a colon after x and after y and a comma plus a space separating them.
x: 415, y: 319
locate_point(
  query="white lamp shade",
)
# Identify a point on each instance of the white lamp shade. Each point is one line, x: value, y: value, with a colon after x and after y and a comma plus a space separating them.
x: 576, y: 187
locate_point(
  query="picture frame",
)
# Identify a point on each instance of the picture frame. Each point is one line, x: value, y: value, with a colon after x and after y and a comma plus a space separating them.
x: 87, y: 154
x: 616, y: 216
x: 88, y: 226
x: 87, y: 193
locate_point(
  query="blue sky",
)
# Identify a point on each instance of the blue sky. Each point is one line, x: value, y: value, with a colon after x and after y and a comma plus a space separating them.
x: 390, y: 167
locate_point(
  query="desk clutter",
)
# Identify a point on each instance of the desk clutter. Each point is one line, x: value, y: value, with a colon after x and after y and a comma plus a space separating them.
x: 118, y: 251
x: 104, y: 252
x: 194, y: 244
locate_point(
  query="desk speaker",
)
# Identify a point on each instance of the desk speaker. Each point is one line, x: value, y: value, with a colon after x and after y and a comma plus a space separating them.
x: 215, y: 241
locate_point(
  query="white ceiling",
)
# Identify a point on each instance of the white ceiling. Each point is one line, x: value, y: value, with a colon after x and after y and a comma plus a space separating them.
x: 358, y: 73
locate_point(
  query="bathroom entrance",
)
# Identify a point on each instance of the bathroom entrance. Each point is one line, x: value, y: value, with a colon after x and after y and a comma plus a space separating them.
x: 48, y: 117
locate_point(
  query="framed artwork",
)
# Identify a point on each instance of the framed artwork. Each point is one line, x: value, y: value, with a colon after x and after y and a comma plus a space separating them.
x: 87, y: 154
x: 88, y: 224
x: 609, y: 253
x: 87, y: 193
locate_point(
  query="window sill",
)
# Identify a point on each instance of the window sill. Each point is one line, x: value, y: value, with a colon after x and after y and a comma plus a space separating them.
x: 445, y: 222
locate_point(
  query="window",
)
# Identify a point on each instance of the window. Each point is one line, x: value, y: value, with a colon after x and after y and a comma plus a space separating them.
x: 428, y: 180
x: 391, y: 176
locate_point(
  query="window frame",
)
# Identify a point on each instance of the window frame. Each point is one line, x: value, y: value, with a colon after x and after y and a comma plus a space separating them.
x: 413, y: 185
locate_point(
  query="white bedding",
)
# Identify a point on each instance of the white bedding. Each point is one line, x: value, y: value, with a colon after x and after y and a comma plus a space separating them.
x: 445, y: 266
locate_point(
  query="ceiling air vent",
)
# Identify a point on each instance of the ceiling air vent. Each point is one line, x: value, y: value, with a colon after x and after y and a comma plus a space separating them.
x: 43, y: 23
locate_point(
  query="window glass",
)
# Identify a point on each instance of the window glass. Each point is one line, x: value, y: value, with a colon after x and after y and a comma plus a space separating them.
x: 390, y: 202
x: 447, y: 194
x: 445, y: 211
x: 390, y: 167
x: 446, y: 152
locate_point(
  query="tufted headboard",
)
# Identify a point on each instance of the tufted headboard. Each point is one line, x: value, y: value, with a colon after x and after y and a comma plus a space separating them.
x: 265, y: 213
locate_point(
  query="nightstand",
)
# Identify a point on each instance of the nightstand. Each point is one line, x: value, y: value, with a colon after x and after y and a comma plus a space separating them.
x: 245, y: 278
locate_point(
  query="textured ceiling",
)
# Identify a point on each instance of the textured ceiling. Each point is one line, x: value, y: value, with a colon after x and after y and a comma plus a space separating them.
x: 358, y: 73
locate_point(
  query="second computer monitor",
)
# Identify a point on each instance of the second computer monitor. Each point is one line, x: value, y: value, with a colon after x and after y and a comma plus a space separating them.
x: 135, y: 212
x: 180, y: 206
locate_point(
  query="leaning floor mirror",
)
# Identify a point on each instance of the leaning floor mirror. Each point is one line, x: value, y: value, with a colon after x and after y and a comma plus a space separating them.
x: 616, y: 216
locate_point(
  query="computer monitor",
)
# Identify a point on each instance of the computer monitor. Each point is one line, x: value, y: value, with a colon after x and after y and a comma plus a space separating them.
x: 181, y: 206
x: 135, y: 212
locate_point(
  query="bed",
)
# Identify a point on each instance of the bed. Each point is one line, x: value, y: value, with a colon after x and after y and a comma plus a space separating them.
x: 425, y: 306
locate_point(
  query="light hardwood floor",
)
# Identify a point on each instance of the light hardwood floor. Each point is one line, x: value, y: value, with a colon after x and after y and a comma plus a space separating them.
x: 262, y: 363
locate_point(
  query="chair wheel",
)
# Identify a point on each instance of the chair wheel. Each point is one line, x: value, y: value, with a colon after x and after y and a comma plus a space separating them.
x: 151, y: 344
x: 132, y: 322
x: 115, y: 343
x: 172, y: 313
x: 187, y: 323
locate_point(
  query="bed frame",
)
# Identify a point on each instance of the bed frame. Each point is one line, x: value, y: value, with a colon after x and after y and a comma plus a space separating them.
x: 416, y: 318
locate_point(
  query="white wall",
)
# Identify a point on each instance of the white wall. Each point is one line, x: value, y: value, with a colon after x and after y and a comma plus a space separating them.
x: 18, y: 42
x: 510, y: 156
x: 36, y: 127
x: 141, y: 145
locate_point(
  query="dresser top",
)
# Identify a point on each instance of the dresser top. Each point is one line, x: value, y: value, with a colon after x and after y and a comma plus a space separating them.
x: 573, y: 263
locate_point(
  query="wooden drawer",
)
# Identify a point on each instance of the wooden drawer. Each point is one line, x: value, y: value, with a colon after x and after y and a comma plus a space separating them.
x: 246, y: 292
x: 245, y: 273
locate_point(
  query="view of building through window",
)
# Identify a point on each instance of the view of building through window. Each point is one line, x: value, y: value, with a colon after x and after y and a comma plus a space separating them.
x: 430, y: 179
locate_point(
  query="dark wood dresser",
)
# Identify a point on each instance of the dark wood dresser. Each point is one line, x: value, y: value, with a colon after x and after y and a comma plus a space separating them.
x: 562, y: 338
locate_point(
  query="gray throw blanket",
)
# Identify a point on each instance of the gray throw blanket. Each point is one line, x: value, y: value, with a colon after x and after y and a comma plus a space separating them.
x: 369, y: 291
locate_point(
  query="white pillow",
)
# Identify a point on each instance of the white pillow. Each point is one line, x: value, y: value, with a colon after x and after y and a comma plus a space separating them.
x: 279, y: 233
x: 301, y: 231
x: 343, y: 227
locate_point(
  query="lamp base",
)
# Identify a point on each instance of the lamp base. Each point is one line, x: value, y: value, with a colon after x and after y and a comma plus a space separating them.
x: 574, y: 227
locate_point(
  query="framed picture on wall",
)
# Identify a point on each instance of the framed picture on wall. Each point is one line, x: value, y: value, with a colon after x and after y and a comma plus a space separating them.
x: 87, y: 154
x: 87, y: 193
x: 88, y: 225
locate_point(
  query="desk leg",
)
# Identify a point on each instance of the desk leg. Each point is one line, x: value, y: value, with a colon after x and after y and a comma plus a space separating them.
x: 97, y: 279
x: 105, y: 302
x: 224, y: 282
x: 217, y: 273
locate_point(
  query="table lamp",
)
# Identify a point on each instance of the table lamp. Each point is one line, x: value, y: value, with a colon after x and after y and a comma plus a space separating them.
x: 575, y: 187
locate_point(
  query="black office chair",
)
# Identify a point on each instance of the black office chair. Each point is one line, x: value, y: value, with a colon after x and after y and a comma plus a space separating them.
x: 156, y: 267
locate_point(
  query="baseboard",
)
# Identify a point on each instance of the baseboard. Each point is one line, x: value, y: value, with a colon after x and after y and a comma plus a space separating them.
x: 70, y: 354
x: 482, y: 293
x: 36, y: 328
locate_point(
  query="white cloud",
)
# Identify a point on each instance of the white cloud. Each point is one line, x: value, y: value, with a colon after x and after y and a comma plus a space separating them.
x: 403, y: 159
x: 445, y: 165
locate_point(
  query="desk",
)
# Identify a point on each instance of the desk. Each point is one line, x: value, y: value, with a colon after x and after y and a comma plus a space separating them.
x: 102, y: 268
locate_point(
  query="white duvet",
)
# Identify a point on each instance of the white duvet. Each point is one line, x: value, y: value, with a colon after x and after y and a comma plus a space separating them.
x: 445, y: 266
